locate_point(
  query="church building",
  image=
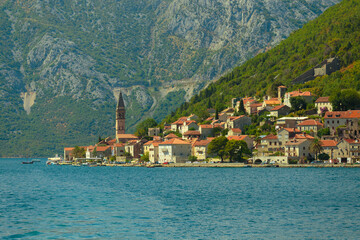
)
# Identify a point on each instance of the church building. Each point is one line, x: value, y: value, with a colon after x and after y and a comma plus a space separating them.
x: 121, y: 137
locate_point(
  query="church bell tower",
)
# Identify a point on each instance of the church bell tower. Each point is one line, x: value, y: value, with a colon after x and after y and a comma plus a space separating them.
x: 120, y: 116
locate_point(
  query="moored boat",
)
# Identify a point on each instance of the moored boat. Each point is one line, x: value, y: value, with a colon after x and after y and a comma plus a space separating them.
x: 31, y: 162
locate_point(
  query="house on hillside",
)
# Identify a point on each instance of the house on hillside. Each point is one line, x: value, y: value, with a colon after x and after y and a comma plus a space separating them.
x: 206, y: 130
x: 299, y: 148
x: 280, y: 110
x: 189, y: 126
x: 289, y: 122
x: 174, y: 150
x: 234, y: 132
x: 238, y: 122
x: 307, y: 96
x: 285, y: 134
x: 200, y: 149
x: 348, y: 151
x: 333, y: 120
x: 310, y: 125
x: 268, y: 145
x: 249, y: 141
x: 152, y: 147
x: 330, y: 147
x: 323, y: 105
x: 192, y: 135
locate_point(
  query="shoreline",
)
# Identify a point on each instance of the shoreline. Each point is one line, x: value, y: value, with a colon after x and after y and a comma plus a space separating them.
x: 235, y: 165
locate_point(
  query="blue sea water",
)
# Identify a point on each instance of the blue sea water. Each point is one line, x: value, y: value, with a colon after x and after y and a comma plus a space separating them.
x: 66, y: 202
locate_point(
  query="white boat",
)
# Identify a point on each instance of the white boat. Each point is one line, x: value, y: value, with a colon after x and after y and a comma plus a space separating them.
x: 54, y: 160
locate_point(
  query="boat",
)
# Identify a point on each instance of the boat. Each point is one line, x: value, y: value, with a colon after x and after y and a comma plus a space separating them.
x: 31, y: 162
x: 54, y: 160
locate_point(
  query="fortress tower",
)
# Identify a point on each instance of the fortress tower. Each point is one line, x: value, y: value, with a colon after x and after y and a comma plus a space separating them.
x: 120, y: 116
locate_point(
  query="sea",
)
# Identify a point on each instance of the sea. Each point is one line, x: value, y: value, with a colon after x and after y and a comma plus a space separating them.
x: 67, y: 202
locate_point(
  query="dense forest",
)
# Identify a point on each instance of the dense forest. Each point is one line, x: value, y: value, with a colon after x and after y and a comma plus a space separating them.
x: 336, y: 33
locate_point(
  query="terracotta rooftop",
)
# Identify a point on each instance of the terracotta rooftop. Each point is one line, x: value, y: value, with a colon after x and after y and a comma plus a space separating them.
x: 343, y: 114
x: 174, y: 141
x: 202, y: 142
x: 277, y: 108
x: 189, y: 122
x: 310, y: 122
x: 206, y: 126
x: 292, y: 130
x: 102, y: 148
x: 352, y: 141
x: 295, y: 142
x: 299, y: 93
x: 328, y: 143
x: 272, y: 101
x: 127, y: 136
x: 237, y: 138
x: 303, y: 136
x: 322, y: 100
x: 236, y: 130
x: 271, y: 137
x: 171, y: 135
x: 189, y: 133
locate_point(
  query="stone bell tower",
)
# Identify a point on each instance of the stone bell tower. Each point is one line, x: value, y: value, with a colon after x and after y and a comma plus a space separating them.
x: 120, y: 116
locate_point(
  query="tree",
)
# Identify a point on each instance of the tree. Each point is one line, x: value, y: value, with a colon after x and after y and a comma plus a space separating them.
x: 241, y: 107
x: 192, y: 158
x: 94, y: 153
x: 345, y: 100
x: 217, y: 147
x: 323, y: 156
x: 143, y: 127
x: 323, y: 131
x: 78, y: 152
x: 297, y: 103
x: 316, y: 147
x: 145, y: 157
x: 234, y: 150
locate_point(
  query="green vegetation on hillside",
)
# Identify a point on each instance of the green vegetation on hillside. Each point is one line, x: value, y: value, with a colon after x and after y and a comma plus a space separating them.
x: 335, y: 33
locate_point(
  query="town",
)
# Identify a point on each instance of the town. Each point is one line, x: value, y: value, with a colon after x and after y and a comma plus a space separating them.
x: 321, y: 135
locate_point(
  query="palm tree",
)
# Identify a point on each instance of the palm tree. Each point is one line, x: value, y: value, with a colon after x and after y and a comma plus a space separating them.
x: 316, y: 147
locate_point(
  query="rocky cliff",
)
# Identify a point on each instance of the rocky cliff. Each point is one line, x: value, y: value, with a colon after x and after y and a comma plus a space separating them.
x: 72, y: 57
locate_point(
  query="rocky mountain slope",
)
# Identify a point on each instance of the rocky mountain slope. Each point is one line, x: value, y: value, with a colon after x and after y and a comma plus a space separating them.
x: 63, y: 62
x: 335, y: 33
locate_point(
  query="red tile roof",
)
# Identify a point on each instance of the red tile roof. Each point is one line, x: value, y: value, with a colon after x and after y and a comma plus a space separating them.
x: 271, y: 137
x: 292, y: 130
x: 174, y: 141
x: 237, y: 138
x: 127, y: 136
x: 277, y: 108
x: 343, y: 114
x: 295, y: 142
x: 310, y: 122
x: 299, y: 93
x: 171, y: 135
x: 236, y: 130
x: 102, y: 148
x: 202, y: 142
x: 189, y: 122
x: 352, y: 141
x: 190, y: 133
x: 272, y: 101
x: 328, y: 143
x: 322, y: 100
x: 303, y: 136
x: 206, y: 126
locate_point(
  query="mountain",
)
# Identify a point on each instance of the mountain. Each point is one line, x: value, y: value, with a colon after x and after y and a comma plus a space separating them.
x: 336, y: 33
x: 62, y: 63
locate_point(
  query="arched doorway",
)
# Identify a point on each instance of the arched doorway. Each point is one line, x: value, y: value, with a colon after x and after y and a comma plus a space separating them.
x: 258, y: 161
